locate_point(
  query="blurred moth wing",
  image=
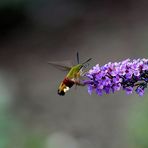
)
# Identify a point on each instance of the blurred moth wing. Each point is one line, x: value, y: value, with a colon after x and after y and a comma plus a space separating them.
x: 62, y: 65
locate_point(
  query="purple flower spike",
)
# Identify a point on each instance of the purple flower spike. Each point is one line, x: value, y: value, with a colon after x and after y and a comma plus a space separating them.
x: 128, y: 75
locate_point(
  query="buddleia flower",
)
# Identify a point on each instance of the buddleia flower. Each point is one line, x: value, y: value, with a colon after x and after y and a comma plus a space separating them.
x: 128, y: 75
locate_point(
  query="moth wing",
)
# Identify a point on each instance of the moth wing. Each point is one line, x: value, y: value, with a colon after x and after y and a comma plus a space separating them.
x: 62, y: 65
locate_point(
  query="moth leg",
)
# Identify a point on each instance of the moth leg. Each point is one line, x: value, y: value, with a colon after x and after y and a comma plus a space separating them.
x: 83, y: 73
x: 79, y: 83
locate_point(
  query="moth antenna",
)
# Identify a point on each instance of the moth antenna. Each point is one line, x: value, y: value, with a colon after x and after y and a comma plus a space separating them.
x: 87, y: 61
x: 78, y: 57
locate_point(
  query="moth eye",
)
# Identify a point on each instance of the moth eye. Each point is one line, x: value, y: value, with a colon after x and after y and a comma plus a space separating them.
x: 66, y: 89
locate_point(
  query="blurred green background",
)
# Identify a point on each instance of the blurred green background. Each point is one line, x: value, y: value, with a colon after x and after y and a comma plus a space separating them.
x: 33, y: 32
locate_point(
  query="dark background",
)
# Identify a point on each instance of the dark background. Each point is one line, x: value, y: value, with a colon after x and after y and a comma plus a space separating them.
x: 35, y: 32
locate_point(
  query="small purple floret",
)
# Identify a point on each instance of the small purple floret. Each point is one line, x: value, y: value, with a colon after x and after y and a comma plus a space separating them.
x: 140, y: 91
x: 128, y: 75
